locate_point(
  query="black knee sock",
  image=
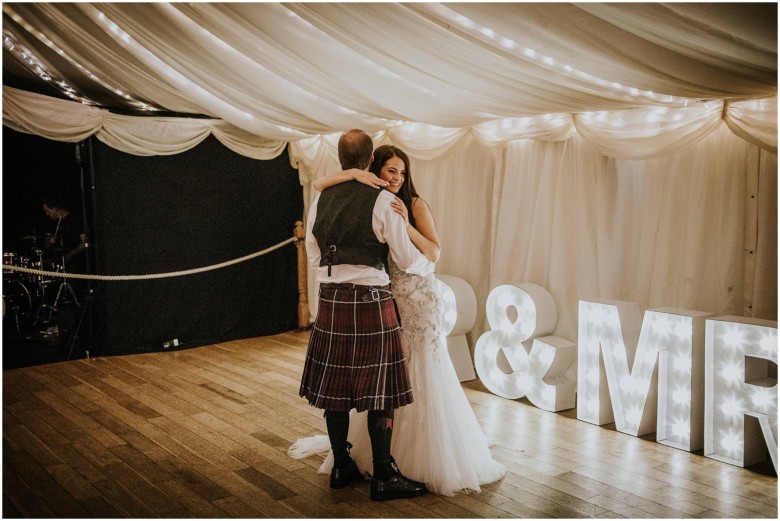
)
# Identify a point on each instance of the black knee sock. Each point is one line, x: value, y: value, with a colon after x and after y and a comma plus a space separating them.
x: 338, y: 428
x: 380, y: 430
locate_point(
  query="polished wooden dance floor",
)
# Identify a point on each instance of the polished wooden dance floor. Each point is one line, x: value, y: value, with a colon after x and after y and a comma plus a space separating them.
x: 204, y: 432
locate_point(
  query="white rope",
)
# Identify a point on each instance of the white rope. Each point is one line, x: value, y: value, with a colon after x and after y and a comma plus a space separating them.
x: 151, y: 275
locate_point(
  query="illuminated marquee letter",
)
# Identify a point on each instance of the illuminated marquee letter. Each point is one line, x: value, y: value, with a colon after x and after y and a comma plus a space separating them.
x: 737, y: 384
x: 459, y: 313
x: 504, y: 362
x: 680, y: 338
x: 599, y: 326
x: 613, y: 350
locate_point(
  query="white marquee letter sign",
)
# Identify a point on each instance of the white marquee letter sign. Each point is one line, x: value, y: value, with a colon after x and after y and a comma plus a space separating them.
x: 680, y: 338
x: 737, y: 384
x: 504, y: 362
x: 613, y: 350
x: 600, y: 328
x: 459, y: 312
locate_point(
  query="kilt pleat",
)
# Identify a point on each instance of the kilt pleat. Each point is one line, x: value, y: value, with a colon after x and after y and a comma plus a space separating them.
x: 354, y: 358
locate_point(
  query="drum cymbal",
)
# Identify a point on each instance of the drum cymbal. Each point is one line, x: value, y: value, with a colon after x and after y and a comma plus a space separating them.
x: 28, y: 238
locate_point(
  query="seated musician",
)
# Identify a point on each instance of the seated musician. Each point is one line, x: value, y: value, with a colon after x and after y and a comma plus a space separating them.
x: 66, y: 238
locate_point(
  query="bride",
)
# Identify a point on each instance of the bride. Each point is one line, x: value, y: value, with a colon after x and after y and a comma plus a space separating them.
x: 436, y: 439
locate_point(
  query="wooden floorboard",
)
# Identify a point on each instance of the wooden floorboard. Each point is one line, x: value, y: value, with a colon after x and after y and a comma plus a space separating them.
x: 203, y: 433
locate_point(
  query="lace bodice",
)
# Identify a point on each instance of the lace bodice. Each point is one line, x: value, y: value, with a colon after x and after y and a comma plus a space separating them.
x: 420, y: 306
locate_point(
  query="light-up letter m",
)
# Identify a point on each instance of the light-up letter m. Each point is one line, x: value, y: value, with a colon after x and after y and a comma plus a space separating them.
x: 738, y: 384
x: 612, y: 349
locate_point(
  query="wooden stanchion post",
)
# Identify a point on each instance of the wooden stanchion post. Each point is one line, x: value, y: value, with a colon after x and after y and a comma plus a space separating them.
x: 304, y: 317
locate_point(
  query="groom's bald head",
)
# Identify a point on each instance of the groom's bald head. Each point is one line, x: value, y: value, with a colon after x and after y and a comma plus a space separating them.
x: 355, y: 149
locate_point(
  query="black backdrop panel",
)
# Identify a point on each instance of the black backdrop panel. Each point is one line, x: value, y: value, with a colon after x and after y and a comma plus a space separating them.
x: 33, y: 167
x: 170, y: 213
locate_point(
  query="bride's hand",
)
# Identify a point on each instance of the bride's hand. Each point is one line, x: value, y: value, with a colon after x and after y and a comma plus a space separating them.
x: 400, y: 208
x: 367, y: 178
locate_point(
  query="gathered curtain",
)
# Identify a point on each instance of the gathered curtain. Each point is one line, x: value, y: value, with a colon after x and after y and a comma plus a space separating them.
x: 672, y: 231
x: 632, y: 133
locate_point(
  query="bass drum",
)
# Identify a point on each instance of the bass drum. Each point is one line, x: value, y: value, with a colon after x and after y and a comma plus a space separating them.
x: 17, y: 300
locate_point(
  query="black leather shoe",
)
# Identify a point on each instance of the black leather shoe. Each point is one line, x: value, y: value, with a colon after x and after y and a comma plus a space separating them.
x: 396, y: 487
x: 341, y: 477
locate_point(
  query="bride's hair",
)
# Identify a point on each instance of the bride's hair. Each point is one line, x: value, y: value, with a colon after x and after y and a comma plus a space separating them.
x: 407, y: 191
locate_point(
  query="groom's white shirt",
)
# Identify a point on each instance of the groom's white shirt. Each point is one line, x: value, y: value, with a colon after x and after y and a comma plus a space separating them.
x: 389, y: 227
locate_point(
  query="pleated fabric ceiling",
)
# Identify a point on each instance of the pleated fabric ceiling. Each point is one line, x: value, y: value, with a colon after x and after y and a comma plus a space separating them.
x: 291, y: 71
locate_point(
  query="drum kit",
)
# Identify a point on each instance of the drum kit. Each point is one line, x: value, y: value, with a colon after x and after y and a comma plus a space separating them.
x: 32, y: 301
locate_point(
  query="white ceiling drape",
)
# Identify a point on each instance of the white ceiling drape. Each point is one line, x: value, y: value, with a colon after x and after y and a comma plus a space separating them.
x: 290, y: 71
x: 636, y: 80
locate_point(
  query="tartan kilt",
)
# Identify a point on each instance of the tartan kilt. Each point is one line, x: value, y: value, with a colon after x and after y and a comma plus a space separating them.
x: 354, y: 358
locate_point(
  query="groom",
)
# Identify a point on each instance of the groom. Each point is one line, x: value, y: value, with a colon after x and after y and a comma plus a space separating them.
x: 354, y: 358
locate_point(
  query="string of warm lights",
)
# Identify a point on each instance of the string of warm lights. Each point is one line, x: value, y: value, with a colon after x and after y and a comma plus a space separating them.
x: 492, y: 37
x: 28, y: 58
x: 205, y: 97
x: 36, y: 65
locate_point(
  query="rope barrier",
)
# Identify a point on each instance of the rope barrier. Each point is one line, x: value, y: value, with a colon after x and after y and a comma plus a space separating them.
x: 151, y: 275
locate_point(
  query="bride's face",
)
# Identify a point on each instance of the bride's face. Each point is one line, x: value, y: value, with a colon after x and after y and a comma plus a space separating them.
x: 394, y: 172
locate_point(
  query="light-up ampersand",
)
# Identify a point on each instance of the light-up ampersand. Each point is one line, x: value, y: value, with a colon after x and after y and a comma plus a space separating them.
x: 613, y: 350
x: 738, y: 384
x: 513, y: 361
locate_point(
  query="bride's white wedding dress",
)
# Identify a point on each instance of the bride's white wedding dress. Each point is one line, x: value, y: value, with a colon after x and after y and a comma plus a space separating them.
x: 436, y: 439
